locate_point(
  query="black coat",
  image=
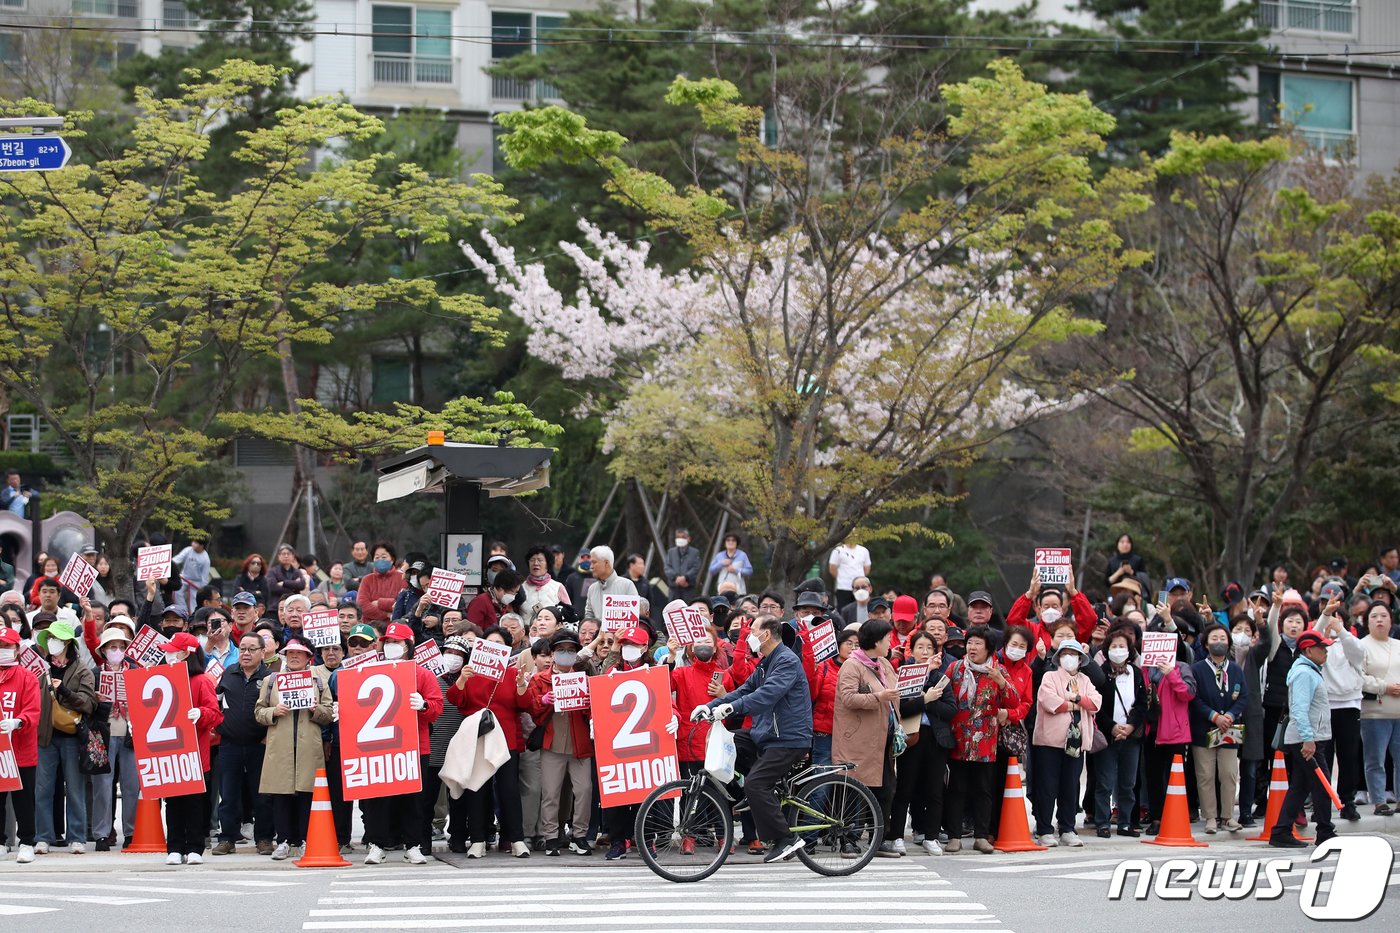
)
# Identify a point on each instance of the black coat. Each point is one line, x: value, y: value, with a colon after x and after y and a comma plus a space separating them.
x: 940, y: 712
x: 238, y: 697
x: 1137, y: 698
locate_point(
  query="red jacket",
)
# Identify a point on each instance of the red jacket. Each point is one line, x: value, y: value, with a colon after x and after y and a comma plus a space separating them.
x: 1021, y: 677
x: 482, y: 610
x: 742, y: 664
x: 1085, y: 618
x: 822, y: 680
x: 19, y: 699
x: 690, y: 684
x: 426, y: 685
x: 210, y: 716
x: 377, y: 593
x: 506, y: 705
x: 544, y: 716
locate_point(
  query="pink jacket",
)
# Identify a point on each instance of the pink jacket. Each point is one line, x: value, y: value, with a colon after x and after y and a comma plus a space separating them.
x: 1055, y: 711
x: 1173, y: 725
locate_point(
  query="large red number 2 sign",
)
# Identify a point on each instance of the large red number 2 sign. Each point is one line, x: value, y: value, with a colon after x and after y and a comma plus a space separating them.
x: 158, y: 694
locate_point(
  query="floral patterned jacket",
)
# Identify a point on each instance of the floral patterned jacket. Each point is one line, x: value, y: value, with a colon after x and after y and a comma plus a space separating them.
x: 978, y: 698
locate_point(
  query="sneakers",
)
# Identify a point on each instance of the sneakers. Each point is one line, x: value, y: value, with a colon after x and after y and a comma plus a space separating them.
x: 553, y: 848
x: 519, y: 849
x: 1349, y: 813
x: 932, y: 847
x: 788, y: 848
x: 757, y: 847
x: 687, y: 845
x: 1211, y: 827
x: 1071, y: 839
x: 104, y: 845
x: 24, y: 854
x: 224, y: 847
x: 918, y: 839
x: 194, y: 858
x: 849, y: 850
x: 952, y: 846
x: 886, y: 850
x: 280, y: 853
x: 174, y: 858
x: 1048, y: 840
x: 476, y: 850
x: 264, y: 846
x: 375, y: 856
x: 579, y: 846
x: 618, y: 850
x: 985, y: 847
x: 899, y: 847
x: 77, y: 848
x: 414, y: 856
x: 1233, y: 825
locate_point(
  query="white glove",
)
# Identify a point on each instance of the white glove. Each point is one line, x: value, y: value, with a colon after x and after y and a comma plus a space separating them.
x: 10, y: 725
x: 335, y: 711
x: 673, y: 725
x: 700, y: 714
x: 416, y: 701
x: 194, y: 714
x: 723, y: 711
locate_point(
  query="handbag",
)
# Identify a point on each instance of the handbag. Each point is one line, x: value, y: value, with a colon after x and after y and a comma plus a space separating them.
x: 1230, y: 738
x: 1281, y: 731
x: 1074, y: 736
x: 93, y: 758
x: 900, y: 740
x: 488, y: 722
x: 1098, y: 743
x: 1012, y: 739
x: 63, y: 719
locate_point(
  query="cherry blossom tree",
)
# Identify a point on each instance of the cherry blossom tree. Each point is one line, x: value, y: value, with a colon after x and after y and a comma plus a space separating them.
x: 836, y: 341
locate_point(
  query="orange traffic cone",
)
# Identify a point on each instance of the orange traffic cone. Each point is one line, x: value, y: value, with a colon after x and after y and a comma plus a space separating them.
x: 149, y: 834
x: 1278, y: 788
x: 1014, y: 833
x: 322, y: 847
x: 1176, y: 826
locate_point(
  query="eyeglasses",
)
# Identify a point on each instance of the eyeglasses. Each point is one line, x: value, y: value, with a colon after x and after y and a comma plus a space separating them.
x: 249, y: 650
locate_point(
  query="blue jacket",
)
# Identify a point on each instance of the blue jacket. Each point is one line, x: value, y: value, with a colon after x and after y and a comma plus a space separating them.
x: 1309, y: 712
x: 1209, y: 700
x: 778, y: 699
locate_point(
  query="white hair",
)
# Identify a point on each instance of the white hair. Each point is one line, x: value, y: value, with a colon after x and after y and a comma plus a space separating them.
x: 510, y: 615
x: 301, y: 597
x: 602, y: 552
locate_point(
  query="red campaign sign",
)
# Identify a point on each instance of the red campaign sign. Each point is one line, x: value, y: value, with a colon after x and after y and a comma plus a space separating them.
x: 686, y: 625
x: 30, y: 660
x: 1052, y: 564
x: 1158, y: 647
x: 570, y: 691
x: 635, y: 753
x: 911, y: 679
x: 489, y: 659
x: 111, y: 686
x: 296, y: 689
x: 429, y: 655
x: 620, y: 611
x: 146, y: 648
x: 213, y: 669
x: 78, y: 575
x: 153, y: 563
x: 167, y: 749
x: 823, y: 639
x: 445, y: 588
x: 321, y: 626
x: 378, y: 731
x: 9, y: 765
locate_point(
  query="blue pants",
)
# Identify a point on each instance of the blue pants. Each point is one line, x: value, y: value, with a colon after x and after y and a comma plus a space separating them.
x: 240, y: 770
x: 123, y: 771
x: 60, y: 756
x: 1379, y: 736
x: 1117, y: 767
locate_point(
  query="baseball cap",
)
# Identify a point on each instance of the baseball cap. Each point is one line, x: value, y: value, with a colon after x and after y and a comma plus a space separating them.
x: 906, y: 609
x: 980, y: 596
x: 89, y: 549
x: 177, y: 610
x: 9, y: 636
x: 565, y: 636
x: 397, y: 631
x: 180, y: 641
x: 635, y: 635
x: 362, y: 630
x: 879, y: 602
x: 245, y: 599
x: 1313, y: 639
x: 1178, y: 583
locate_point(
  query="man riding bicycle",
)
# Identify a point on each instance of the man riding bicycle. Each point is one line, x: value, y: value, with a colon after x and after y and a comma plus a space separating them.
x: 776, y: 698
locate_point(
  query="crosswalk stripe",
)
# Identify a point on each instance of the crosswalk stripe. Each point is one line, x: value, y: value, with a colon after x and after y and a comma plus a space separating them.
x: 413, y: 910
x: 661, y: 923
x: 85, y: 899
x: 514, y: 897
x: 655, y: 921
x: 143, y: 889
x: 14, y: 910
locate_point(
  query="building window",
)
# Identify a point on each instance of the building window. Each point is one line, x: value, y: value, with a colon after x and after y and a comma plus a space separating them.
x: 11, y: 48
x: 392, y: 381
x: 1323, y: 110
x: 514, y: 34
x: 412, y: 45
x: 128, y: 9
x: 13, y: 4
x: 175, y: 15
x: 1335, y: 16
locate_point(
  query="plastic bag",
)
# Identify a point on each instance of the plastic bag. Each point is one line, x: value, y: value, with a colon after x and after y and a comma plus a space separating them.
x: 720, y: 753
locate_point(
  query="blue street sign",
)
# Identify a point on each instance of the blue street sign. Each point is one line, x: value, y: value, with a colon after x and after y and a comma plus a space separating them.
x: 33, y: 153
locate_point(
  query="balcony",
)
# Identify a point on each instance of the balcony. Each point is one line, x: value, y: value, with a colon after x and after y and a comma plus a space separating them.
x: 174, y: 15
x: 1338, y: 145
x: 514, y: 89
x: 126, y: 9
x: 405, y: 70
x: 1328, y: 16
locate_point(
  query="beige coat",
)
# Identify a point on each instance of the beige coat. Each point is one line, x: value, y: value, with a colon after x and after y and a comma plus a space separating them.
x: 860, y: 726
x: 294, y: 750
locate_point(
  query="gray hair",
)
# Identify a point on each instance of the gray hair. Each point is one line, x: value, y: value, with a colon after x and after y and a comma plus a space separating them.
x: 511, y: 615
x: 602, y: 552
x: 301, y: 597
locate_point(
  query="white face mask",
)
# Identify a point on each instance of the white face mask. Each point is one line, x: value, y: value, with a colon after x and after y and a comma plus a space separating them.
x: 754, y: 643
x: 393, y: 650
x: 57, y: 646
x: 631, y: 653
x: 114, y: 655
x: 1241, y: 639
x: 1050, y: 616
x: 682, y: 542
x: 204, y: 642
x: 862, y: 596
x: 1118, y: 655
x: 1069, y: 663
x: 566, y: 658
x: 1015, y: 652
x: 452, y: 662
x: 8, y: 657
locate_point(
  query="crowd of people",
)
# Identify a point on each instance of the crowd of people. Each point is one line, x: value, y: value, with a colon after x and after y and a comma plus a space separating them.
x: 1056, y: 682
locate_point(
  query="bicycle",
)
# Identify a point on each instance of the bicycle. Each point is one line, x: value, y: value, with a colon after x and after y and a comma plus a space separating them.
x: 685, y: 828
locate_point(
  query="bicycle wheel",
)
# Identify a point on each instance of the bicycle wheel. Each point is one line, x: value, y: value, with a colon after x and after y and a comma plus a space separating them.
x: 841, y: 821
x: 683, y: 833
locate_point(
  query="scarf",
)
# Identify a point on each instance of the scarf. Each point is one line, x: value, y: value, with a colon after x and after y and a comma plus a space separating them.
x: 537, y: 581
x: 967, y: 681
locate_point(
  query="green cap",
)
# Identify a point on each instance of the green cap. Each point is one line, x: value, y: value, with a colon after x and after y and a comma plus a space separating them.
x: 57, y: 630
x: 362, y: 630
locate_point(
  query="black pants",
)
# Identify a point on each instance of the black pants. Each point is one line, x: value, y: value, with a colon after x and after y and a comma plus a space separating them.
x: 760, y: 786
x: 1055, y: 793
x: 1345, y: 746
x: 290, y: 814
x: 620, y: 822
x: 1272, y: 714
x: 974, y: 782
x: 394, y: 821
x: 923, y: 769
x: 342, y: 810
x: 457, y: 810
x: 504, y: 787
x: 186, y: 822
x: 1159, y: 766
x: 240, y: 770
x: 22, y: 801
x: 1302, y: 781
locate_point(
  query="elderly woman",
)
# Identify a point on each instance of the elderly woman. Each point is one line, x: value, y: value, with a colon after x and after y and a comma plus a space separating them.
x: 1064, y: 730
x: 981, y: 688
x: 867, y: 712
x: 294, y: 750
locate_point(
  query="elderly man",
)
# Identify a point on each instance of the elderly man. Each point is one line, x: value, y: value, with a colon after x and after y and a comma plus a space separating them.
x: 609, y: 582
x: 858, y: 610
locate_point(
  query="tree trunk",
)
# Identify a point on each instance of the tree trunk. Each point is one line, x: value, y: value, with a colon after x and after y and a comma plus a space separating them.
x: 301, y: 458
x: 788, y: 567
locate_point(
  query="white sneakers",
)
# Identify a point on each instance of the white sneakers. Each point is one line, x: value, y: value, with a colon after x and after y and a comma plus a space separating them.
x: 77, y: 848
x: 280, y: 853
x: 477, y: 850
x: 194, y: 858
x: 174, y: 858
x: 899, y: 847
x: 41, y: 848
x: 1048, y: 840
x: 24, y: 854
x: 519, y: 850
x: 918, y: 839
x: 375, y: 856
x: 932, y: 847
x: 414, y: 856
x: 1071, y: 839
